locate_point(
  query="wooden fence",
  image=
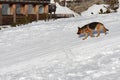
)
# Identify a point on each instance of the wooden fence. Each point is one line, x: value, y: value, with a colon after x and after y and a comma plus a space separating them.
x: 21, y: 19
x: 25, y: 1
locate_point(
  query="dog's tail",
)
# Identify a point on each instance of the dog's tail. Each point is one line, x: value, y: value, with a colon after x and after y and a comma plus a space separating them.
x: 106, y: 29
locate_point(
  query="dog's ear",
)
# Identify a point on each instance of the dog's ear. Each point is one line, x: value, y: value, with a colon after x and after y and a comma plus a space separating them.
x: 78, y: 27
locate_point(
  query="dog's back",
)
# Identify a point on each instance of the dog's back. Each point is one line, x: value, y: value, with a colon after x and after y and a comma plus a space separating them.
x: 91, y: 25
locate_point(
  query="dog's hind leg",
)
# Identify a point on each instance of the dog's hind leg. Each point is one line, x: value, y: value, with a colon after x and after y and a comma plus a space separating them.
x: 98, y: 33
x: 104, y: 30
x: 86, y: 35
x: 98, y: 29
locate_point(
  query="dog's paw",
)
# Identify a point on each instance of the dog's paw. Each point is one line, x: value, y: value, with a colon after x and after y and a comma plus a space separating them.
x: 83, y: 39
x: 92, y: 36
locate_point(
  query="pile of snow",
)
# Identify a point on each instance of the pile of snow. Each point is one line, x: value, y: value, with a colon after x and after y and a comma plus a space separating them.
x: 95, y: 9
x: 119, y: 7
x: 63, y: 9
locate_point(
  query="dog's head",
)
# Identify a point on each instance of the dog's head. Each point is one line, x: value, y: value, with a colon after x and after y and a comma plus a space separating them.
x: 79, y: 31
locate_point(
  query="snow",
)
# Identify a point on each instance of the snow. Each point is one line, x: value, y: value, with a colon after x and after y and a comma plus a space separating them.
x: 64, y: 10
x: 53, y: 51
x: 95, y: 9
x: 119, y: 7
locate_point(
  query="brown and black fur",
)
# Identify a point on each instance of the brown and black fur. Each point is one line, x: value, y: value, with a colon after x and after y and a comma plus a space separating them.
x: 89, y: 28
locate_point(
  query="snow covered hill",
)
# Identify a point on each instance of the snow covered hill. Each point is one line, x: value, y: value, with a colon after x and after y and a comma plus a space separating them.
x: 94, y: 10
x: 53, y: 51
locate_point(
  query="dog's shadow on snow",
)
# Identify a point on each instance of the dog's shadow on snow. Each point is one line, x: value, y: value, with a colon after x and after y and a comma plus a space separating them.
x: 94, y: 34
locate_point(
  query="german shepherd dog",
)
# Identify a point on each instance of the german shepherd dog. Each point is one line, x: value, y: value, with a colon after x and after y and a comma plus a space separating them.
x: 89, y: 28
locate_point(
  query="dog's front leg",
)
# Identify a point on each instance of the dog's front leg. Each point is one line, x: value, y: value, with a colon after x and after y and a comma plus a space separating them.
x: 90, y: 31
x: 91, y: 34
x: 86, y: 35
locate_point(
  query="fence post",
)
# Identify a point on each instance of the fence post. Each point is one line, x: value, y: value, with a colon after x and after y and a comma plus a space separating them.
x: 46, y: 8
x: 46, y: 12
x: 14, y: 13
x: 22, y: 9
x: 0, y: 14
x: 36, y: 11
x: 26, y: 9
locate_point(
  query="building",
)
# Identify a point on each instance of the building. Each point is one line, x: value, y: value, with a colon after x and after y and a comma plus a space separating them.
x: 11, y: 11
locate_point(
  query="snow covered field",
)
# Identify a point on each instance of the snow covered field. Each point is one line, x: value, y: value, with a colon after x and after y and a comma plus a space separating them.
x: 53, y: 51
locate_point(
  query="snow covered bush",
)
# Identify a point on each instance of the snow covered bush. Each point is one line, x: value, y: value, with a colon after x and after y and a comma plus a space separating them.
x: 113, y: 5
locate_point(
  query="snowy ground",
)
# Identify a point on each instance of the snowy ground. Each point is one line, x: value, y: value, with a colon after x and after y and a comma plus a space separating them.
x: 53, y: 51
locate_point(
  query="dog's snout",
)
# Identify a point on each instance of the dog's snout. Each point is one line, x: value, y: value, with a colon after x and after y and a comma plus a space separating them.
x: 78, y: 33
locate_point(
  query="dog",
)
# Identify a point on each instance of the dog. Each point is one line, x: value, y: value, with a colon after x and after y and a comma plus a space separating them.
x: 89, y: 28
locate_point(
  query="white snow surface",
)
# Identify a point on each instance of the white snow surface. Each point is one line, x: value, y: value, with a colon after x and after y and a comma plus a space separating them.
x: 53, y: 51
